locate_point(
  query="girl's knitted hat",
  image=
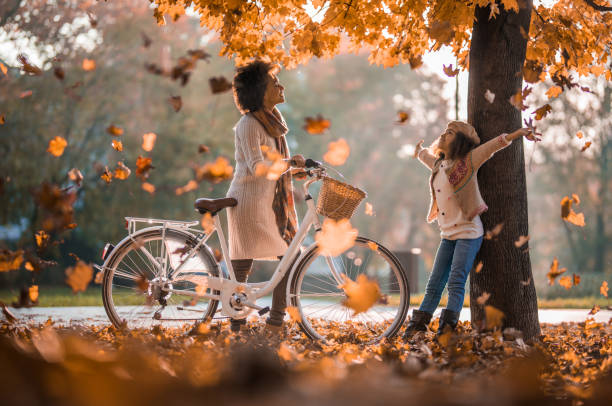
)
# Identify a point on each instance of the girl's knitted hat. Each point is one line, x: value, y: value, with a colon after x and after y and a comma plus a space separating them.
x: 466, y: 129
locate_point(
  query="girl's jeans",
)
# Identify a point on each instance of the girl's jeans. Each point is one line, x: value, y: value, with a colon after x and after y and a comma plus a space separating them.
x: 453, y: 263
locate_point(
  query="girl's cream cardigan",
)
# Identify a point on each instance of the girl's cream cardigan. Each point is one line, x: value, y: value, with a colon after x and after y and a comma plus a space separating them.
x: 462, y: 175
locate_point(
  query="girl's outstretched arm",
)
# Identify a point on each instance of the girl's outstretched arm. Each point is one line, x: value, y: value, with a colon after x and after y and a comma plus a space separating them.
x: 484, y: 152
x: 424, y: 155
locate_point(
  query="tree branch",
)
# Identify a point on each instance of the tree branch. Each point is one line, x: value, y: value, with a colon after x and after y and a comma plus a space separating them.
x: 597, y: 6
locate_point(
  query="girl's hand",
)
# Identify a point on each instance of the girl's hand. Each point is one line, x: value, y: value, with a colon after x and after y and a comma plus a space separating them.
x: 298, y: 161
x: 521, y: 132
x: 418, y: 148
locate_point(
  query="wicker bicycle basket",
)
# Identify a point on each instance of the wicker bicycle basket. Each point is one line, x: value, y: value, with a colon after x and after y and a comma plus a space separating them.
x: 338, y: 200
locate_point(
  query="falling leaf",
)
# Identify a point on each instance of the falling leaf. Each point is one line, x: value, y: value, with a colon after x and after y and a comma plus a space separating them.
x: 99, y: 278
x: 75, y: 176
x: 402, y: 117
x: 2, y: 119
x: 493, y: 233
x: 143, y: 167
x: 3, y: 69
x: 29, y: 266
x: 215, y: 172
x: 148, y: 187
x: 521, y: 241
x: 554, y: 91
x: 579, y: 134
x: 285, y: 352
x: 114, y: 130
x: 479, y: 267
x: 489, y: 96
x: 482, y: 299
x: 449, y: 71
x: 107, y: 175
x: 79, y: 276
x: 368, y: 209
x: 316, y: 125
x: 576, y: 279
x: 10, y: 260
x: 360, y: 294
x: 207, y: 222
x: 273, y: 166
x: 219, y: 84
x: 294, y: 313
x: 148, y: 141
x: 118, y: 145
x: 24, y: 94
x: 372, y: 245
x: 146, y: 41
x: 337, y: 152
x: 59, y: 73
x: 191, y: 185
x: 33, y: 293
x: 494, y: 317
x: 142, y: 283
x: 594, y: 310
x: 554, y: 271
x: 603, y: 289
x: 566, y: 282
x: 218, y: 255
x: 335, y: 237
x: 519, y: 97
x: 586, y: 146
x: 42, y: 238
x: 27, y: 66
x: 568, y: 214
x: 176, y: 102
x: 203, y: 149
x: 527, y: 282
x: 57, y: 146
x: 542, y: 111
x: 121, y: 171
x: 89, y: 64
x: 533, y: 134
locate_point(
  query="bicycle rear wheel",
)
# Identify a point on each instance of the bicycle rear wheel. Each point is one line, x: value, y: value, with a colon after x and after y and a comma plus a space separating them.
x: 320, y: 301
x: 131, y: 290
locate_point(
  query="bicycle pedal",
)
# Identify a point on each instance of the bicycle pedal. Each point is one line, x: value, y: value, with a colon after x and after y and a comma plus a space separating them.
x: 264, y: 310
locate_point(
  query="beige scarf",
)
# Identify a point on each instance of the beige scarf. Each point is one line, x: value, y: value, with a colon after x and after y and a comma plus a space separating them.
x: 283, y: 203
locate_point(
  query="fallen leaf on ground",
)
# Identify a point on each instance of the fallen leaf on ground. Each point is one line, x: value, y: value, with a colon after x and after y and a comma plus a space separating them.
x: 294, y: 313
x: 361, y: 294
x: 594, y: 310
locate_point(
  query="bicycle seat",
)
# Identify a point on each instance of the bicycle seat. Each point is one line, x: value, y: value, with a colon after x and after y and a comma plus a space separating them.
x: 213, y: 206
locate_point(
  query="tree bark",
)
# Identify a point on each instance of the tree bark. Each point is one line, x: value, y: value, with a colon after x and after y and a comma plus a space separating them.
x: 497, y: 55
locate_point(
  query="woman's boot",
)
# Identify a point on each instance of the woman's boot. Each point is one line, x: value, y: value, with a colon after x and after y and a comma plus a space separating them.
x: 448, y: 320
x: 418, y: 322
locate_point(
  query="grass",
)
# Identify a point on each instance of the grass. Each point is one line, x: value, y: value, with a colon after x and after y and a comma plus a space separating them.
x: 52, y: 296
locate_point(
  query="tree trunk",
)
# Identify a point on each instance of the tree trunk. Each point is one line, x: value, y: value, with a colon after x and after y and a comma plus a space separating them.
x: 497, y: 55
x: 601, y: 237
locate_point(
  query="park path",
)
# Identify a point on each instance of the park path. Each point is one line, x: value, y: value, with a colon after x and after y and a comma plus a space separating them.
x: 96, y: 315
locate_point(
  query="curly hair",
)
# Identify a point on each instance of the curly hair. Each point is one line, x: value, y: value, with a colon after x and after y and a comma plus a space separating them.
x: 249, y: 86
x: 460, y: 147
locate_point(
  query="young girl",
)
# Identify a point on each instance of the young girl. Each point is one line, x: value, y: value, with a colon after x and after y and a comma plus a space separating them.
x: 456, y: 204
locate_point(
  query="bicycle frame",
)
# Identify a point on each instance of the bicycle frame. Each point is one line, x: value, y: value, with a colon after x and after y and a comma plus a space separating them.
x: 221, y: 284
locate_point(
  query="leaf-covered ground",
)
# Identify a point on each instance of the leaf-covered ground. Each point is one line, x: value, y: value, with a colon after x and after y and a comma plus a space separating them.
x: 52, y: 364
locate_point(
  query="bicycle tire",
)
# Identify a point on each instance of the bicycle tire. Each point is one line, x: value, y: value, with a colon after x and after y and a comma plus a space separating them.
x: 124, y: 249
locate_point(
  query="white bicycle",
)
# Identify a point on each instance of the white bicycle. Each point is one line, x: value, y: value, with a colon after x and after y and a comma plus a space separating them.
x: 166, y: 274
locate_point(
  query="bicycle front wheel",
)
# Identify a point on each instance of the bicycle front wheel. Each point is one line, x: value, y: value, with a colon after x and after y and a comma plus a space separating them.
x: 136, y: 288
x: 321, y: 302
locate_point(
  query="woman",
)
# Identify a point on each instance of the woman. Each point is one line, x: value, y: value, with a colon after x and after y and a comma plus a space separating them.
x: 457, y: 204
x: 264, y: 221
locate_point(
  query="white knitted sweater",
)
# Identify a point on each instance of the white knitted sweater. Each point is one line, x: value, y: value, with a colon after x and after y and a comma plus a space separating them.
x: 253, y: 233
